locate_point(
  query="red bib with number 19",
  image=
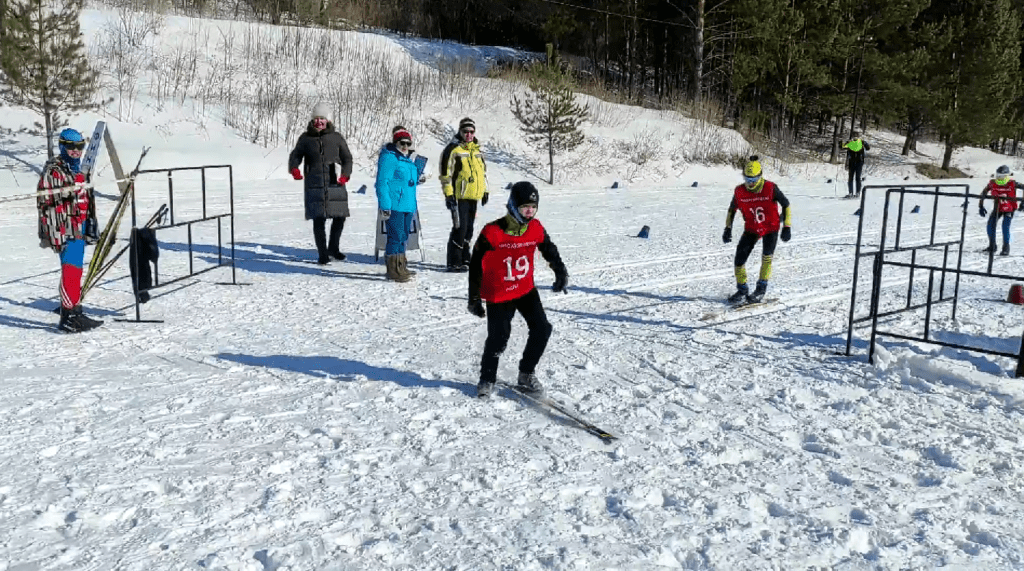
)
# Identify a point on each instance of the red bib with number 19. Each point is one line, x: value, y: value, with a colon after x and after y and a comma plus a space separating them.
x: 760, y: 212
x: 508, y: 268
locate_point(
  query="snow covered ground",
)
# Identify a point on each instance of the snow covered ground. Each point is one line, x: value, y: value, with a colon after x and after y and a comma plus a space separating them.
x: 322, y: 418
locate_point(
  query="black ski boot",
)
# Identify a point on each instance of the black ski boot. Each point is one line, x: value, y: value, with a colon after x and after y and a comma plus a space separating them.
x: 759, y: 291
x: 741, y: 293
x: 484, y: 389
x: 529, y: 384
x: 991, y: 248
x: 74, y: 321
x: 1006, y: 250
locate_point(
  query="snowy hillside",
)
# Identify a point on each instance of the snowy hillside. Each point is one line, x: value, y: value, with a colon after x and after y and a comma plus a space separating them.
x: 322, y: 418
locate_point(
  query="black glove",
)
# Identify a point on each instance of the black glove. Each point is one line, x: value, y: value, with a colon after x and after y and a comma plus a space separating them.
x: 1021, y: 207
x: 483, y: 201
x: 727, y: 235
x: 786, y: 234
x: 476, y: 307
x: 561, y: 283
x: 385, y: 214
x: 449, y: 202
x: 981, y: 211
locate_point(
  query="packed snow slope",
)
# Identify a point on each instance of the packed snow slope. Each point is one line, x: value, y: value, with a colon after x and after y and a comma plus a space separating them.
x: 321, y: 418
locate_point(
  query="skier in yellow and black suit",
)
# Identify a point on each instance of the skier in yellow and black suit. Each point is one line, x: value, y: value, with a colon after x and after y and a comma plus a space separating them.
x: 758, y: 200
x: 464, y: 181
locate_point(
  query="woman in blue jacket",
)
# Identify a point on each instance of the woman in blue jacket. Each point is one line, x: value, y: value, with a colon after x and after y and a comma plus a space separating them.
x: 396, y: 197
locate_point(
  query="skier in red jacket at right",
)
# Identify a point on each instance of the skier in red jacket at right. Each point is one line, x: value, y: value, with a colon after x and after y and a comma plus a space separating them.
x: 1004, y: 191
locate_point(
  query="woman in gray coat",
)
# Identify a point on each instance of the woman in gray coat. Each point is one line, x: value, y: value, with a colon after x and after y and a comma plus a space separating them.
x: 321, y: 148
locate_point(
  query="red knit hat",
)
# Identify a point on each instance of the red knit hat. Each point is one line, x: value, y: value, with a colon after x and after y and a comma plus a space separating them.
x: 399, y: 134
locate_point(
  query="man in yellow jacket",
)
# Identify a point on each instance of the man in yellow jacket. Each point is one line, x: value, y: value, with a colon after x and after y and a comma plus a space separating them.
x: 464, y: 181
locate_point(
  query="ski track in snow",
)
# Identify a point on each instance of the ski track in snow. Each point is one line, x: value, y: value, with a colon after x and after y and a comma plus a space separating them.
x: 322, y: 418
x: 310, y: 420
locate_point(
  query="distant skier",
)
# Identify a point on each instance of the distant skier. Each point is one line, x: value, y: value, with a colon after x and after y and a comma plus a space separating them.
x: 501, y: 273
x: 855, y: 148
x: 464, y: 181
x: 1004, y: 192
x: 321, y: 148
x: 759, y: 201
x: 63, y: 203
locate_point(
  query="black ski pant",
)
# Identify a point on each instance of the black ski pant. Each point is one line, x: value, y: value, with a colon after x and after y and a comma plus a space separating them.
x: 746, y: 245
x: 459, y: 251
x: 320, y: 234
x: 855, y: 171
x: 499, y: 328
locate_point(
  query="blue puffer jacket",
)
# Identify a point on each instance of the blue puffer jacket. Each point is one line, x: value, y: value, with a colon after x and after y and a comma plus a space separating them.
x: 396, y: 180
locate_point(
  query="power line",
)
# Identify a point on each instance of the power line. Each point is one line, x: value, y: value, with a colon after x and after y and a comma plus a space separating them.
x: 599, y: 11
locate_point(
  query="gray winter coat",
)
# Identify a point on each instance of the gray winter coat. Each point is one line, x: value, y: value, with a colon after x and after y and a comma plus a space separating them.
x: 321, y: 151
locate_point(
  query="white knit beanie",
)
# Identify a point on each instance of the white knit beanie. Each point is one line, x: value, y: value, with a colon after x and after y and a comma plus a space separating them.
x: 321, y: 110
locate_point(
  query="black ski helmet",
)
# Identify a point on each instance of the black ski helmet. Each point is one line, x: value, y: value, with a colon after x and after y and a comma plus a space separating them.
x: 523, y: 192
x: 1003, y: 171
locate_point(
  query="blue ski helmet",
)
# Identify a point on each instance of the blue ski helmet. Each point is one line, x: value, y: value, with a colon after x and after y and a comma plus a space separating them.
x: 71, y: 139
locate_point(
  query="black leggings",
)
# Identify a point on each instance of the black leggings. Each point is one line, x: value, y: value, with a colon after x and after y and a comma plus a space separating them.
x: 459, y: 241
x: 746, y: 245
x: 499, y: 328
x: 855, y: 170
x: 320, y: 234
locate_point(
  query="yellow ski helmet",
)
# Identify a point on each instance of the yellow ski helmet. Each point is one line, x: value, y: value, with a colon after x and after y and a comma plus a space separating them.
x: 752, y: 175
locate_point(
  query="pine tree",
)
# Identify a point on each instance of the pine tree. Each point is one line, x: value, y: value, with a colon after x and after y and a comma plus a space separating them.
x: 43, y: 64
x: 972, y: 79
x: 549, y: 114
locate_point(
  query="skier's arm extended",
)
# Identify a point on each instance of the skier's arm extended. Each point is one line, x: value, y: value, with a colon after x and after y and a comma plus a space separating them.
x: 550, y: 252
x: 784, y: 203
x: 476, y: 266
x: 731, y: 213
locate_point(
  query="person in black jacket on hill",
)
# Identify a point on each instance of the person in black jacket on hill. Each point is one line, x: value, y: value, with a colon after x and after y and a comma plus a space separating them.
x: 321, y: 148
x: 855, y: 148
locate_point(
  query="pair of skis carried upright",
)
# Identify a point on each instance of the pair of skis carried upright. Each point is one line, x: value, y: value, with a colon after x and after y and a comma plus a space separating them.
x: 98, y: 264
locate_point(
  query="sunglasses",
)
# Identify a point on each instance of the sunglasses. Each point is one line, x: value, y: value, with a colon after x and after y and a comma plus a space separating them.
x: 74, y: 145
x: 404, y: 143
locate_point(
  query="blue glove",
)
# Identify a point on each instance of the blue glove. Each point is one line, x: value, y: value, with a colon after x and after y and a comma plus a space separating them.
x: 727, y: 235
x: 981, y: 210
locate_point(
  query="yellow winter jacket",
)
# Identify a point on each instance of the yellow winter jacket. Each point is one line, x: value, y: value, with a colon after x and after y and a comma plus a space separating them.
x: 463, y: 171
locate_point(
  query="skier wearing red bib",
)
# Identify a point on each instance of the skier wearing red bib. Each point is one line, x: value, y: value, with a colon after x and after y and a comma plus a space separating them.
x: 759, y: 201
x: 501, y: 273
x: 1004, y: 191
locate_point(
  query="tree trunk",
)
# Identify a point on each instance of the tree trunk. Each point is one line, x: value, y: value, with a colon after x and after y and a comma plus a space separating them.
x: 1013, y: 149
x: 551, y: 158
x: 48, y: 119
x: 835, y: 138
x: 947, y: 156
x: 698, y: 52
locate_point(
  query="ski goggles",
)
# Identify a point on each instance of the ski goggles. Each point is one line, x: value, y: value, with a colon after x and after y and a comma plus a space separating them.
x: 752, y: 180
x: 73, y: 145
